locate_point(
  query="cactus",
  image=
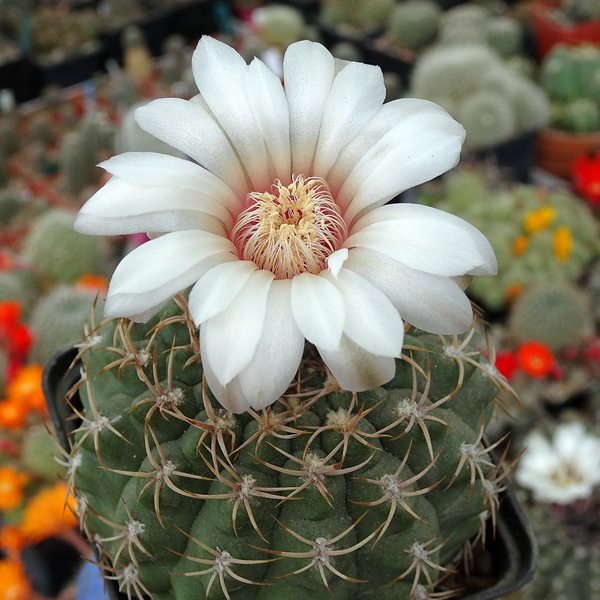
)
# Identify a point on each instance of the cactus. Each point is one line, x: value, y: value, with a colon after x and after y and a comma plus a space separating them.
x: 367, y: 16
x: 11, y: 203
x: 505, y: 36
x: 569, y: 563
x: 571, y: 72
x: 19, y: 285
x: 559, y: 315
x: 325, y: 494
x: 58, y: 252
x: 38, y: 449
x: 580, y: 116
x: 581, y: 10
x: 464, y: 24
x: 58, y: 319
x: 538, y: 235
x: 413, y: 24
x: 279, y: 25
x: 487, y: 118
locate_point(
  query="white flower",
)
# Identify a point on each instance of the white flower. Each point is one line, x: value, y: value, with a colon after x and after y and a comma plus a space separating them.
x: 563, y: 470
x: 280, y: 224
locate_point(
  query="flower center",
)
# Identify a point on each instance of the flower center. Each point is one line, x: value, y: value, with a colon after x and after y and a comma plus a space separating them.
x: 291, y: 230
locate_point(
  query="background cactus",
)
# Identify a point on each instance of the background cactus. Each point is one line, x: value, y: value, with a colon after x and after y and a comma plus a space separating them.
x: 558, y: 315
x: 52, y: 245
x: 324, y: 494
x: 413, y: 24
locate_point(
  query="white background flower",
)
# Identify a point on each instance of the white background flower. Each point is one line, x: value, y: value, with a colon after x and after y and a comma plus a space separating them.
x: 564, y: 470
x: 278, y: 221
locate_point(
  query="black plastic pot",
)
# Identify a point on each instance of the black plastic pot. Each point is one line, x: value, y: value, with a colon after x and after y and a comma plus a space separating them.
x: 512, y: 550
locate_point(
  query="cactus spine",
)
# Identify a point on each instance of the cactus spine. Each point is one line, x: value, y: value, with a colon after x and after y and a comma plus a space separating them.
x: 324, y: 494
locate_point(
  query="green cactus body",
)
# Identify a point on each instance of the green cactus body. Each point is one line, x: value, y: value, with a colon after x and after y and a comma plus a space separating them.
x: 414, y: 23
x: 505, y: 36
x: 279, y: 25
x: 569, y: 563
x: 52, y: 246
x: 580, y: 116
x: 58, y: 319
x: 325, y: 494
x: 557, y: 314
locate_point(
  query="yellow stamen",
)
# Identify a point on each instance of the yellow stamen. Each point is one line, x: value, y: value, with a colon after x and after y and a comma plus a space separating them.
x: 562, y: 243
x: 292, y: 229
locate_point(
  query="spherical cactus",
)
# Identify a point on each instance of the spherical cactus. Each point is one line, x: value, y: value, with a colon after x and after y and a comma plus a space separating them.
x: 279, y: 25
x: 505, y: 36
x: 58, y: 320
x: 488, y: 119
x: 580, y: 116
x: 325, y: 494
x: 38, y: 452
x: 558, y: 315
x: 582, y: 10
x: 58, y: 252
x: 414, y: 23
x: 463, y: 24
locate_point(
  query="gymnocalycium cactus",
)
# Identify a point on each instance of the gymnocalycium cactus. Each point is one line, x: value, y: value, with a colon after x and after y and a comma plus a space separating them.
x: 219, y: 454
x: 324, y: 494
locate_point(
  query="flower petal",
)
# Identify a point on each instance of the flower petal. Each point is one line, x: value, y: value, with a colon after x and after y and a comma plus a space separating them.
x: 308, y: 70
x: 278, y: 353
x: 429, y: 302
x: 188, y: 127
x: 355, y: 369
x: 318, y: 309
x: 356, y: 96
x: 372, y: 322
x: 231, y: 337
x: 121, y: 207
x: 425, y: 239
x: 220, y: 74
x: 217, y: 288
x: 160, y: 268
x: 408, y: 142
x: 270, y: 109
x: 230, y: 396
x: 391, y: 212
x: 151, y: 168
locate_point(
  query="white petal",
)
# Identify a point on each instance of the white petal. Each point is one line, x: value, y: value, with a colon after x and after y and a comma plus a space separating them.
x: 217, y: 288
x: 121, y: 207
x: 428, y: 242
x: 567, y: 439
x: 160, y: 268
x: 220, y: 74
x: 308, y: 70
x: 230, y: 338
x: 318, y: 309
x: 429, y: 302
x: 391, y: 212
x: 278, y: 353
x: 230, y: 396
x: 188, y: 127
x: 270, y: 109
x: 372, y: 322
x: 150, y: 168
x: 336, y: 260
x: 356, y: 95
x: 355, y: 369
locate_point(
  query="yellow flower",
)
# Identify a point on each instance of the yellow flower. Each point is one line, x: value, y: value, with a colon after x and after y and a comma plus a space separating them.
x: 562, y: 243
x: 11, y: 487
x: 537, y: 220
x: 15, y: 585
x: 520, y: 245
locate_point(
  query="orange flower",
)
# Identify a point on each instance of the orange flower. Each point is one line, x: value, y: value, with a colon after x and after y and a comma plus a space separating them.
x: 11, y: 487
x: 48, y: 513
x: 92, y: 282
x: 26, y: 387
x: 539, y: 219
x: 535, y: 359
x: 12, y: 540
x: 13, y: 413
x: 520, y: 245
x: 15, y: 585
x: 562, y: 243
x: 513, y: 290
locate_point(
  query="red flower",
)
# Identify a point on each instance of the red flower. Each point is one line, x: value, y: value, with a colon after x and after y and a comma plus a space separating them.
x: 586, y: 177
x: 535, y: 359
x: 506, y: 363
